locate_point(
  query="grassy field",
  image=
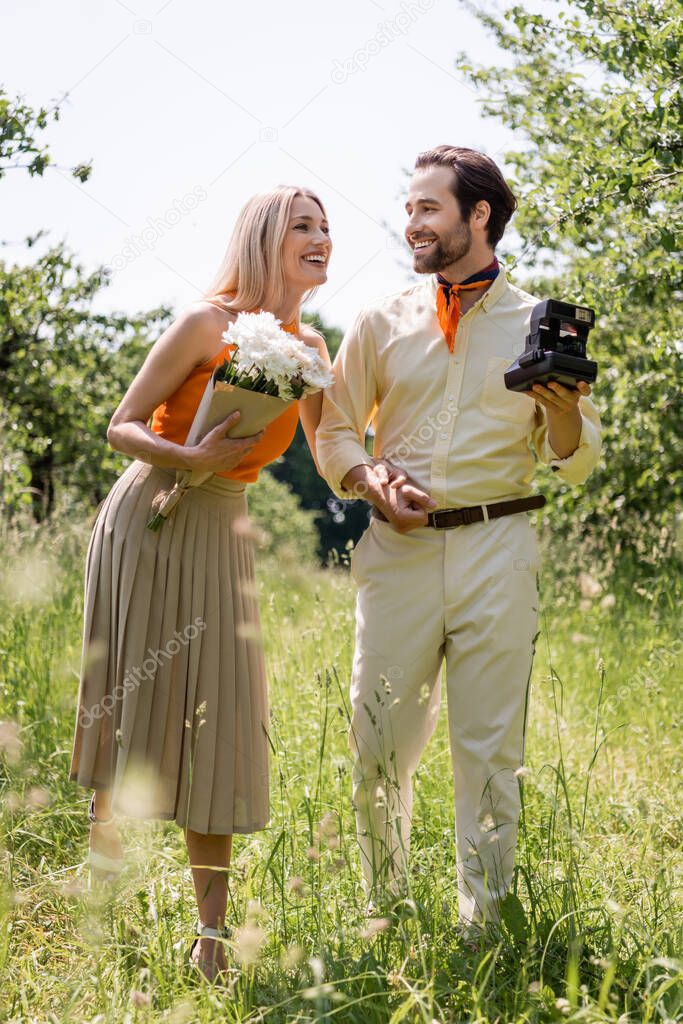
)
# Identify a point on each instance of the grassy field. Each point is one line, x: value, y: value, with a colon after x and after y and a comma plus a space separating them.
x: 597, y: 932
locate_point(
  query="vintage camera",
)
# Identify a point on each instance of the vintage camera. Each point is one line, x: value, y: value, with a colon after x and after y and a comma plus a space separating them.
x: 555, y: 348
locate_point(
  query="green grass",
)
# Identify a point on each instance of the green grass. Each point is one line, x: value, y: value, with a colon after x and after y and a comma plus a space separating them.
x: 595, y: 935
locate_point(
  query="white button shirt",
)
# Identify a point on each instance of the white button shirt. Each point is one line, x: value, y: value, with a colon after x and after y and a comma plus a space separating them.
x: 446, y: 418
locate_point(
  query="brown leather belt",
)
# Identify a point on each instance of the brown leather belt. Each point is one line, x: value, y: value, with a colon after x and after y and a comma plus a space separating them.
x: 448, y: 518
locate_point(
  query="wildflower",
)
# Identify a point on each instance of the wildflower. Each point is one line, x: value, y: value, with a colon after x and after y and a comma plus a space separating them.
x: 256, y: 911
x: 10, y: 743
x: 375, y: 926
x: 182, y: 1013
x: 249, y: 941
x: 328, y: 831
x: 318, y: 968
x: 297, y: 886
x: 291, y: 957
x: 37, y: 796
x: 589, y: 586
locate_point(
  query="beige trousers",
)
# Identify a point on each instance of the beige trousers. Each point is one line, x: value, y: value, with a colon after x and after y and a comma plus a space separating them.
x: 467, y: 595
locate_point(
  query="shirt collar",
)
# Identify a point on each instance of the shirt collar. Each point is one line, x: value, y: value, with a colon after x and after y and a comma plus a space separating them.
x: 491, y: 296
x: 488, y: 273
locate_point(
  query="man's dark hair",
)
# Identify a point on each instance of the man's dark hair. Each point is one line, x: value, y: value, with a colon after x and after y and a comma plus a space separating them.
x: 475, y: 177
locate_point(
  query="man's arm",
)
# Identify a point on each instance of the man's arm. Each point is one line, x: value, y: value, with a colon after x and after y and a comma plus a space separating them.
x: 567, y: 435
x: 348, y: 406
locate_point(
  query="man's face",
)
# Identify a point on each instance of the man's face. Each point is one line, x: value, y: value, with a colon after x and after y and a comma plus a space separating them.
x: 435, y: 230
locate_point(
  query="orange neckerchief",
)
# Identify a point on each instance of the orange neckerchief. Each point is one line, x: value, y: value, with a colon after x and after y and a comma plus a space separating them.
x: 448, y: 299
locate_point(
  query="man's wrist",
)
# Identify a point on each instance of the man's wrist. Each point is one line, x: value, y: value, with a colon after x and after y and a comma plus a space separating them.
x: 361, y: 481
x: 564, y: 431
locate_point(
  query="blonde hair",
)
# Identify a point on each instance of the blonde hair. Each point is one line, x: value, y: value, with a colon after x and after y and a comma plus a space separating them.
x: 251, y: 272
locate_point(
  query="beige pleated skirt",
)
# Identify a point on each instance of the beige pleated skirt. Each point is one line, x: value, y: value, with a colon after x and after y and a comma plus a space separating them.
x: 172, y: 706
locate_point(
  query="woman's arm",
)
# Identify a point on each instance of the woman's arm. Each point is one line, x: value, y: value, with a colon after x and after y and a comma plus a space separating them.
x: 310, y: 408
x: 191, y: 339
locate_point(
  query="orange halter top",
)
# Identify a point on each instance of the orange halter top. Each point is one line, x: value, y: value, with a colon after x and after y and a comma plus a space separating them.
x: 173, y: 419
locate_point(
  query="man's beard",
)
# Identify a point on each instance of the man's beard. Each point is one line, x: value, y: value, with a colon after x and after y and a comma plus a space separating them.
x: 444, y: 252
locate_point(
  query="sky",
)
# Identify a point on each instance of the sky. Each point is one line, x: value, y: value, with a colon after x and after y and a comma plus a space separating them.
x: 188, y: 108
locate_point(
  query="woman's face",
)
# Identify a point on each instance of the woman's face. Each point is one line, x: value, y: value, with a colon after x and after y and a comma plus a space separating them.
x: 307, y: 245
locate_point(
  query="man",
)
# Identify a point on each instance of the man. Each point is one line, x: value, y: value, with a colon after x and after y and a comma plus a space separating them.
x: 426, y: 366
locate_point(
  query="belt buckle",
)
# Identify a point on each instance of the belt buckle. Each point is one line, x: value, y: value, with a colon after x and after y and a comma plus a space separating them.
x: 435, y: 518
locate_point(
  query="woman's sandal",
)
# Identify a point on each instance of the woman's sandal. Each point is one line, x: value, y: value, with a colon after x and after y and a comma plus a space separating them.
x: 102, y: 868
x: 206, y: 932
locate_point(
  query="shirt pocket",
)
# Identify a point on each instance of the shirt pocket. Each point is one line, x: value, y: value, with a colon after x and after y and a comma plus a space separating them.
x: 500, y: 403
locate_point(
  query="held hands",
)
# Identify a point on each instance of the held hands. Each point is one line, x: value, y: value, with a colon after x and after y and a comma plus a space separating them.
x: 217, y: 453
x: 404, y: 504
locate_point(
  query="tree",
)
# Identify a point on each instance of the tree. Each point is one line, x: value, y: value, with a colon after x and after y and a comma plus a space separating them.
x: 28, y: 459
x: 595, y: 97
x: 63, y: 370
x: 20, y: 126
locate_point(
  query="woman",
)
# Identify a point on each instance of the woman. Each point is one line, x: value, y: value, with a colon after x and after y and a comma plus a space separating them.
x: 172, y: 714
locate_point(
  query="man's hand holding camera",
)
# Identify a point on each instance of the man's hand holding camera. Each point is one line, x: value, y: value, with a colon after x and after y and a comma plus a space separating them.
x: 564, y: 416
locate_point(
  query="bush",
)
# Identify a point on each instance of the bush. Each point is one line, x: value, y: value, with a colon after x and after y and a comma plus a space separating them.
x: 287, y: 530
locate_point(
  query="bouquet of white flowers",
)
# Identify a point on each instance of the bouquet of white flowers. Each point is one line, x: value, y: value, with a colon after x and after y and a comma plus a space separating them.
x: 267, y: 371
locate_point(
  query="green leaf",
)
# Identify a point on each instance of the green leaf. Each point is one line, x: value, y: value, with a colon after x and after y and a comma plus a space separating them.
x: 514, y: 917
x: 668, y: 240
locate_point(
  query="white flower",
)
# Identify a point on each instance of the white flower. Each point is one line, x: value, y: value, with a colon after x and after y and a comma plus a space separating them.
x: 286, y: 362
